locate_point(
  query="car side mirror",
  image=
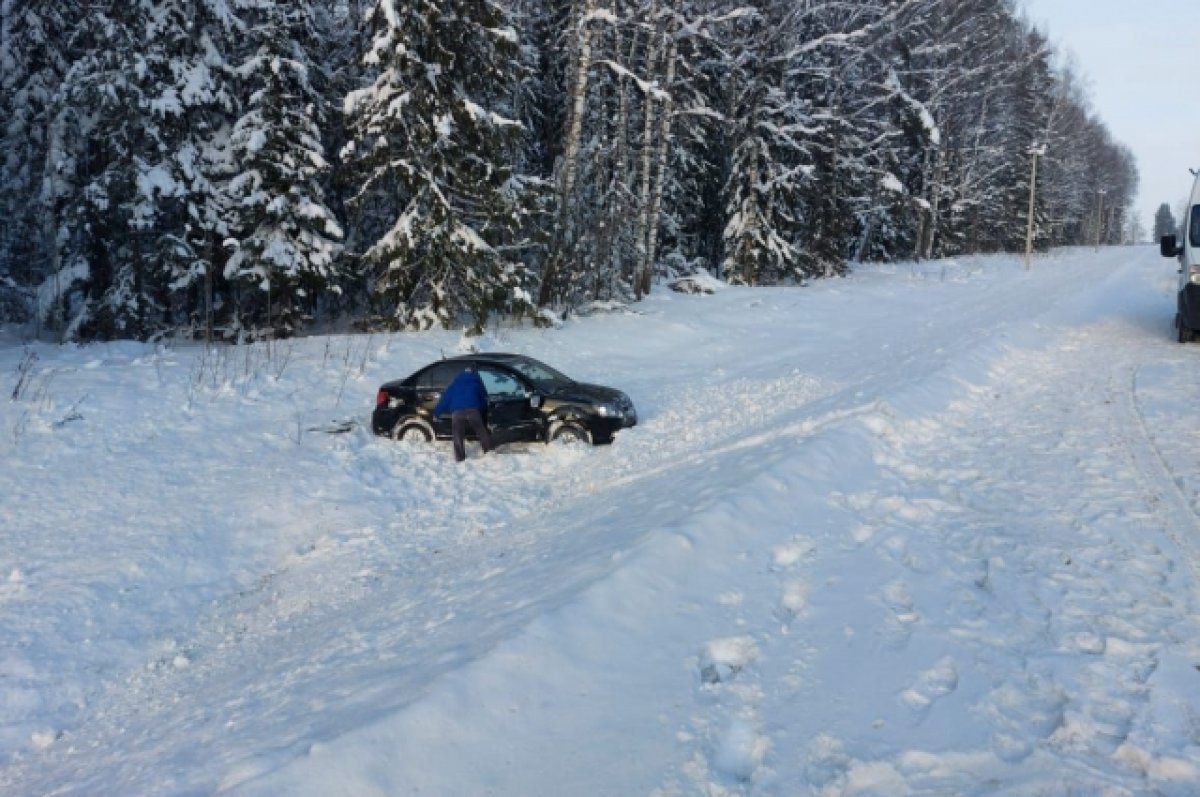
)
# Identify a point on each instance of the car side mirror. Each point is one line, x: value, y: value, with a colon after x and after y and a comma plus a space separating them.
x: 1169, y: 246
x: 535, y: 401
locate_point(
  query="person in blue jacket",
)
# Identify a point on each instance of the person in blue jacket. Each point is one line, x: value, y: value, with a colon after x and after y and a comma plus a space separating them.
x: 466, y: 400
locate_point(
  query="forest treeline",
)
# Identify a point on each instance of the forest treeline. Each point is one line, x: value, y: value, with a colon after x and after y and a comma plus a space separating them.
x: 244, y: 168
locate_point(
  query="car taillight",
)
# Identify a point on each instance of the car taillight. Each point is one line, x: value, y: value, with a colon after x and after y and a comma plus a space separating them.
x: 381, y: 398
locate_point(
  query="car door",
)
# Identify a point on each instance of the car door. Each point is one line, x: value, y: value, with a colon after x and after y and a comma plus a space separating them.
x: 431, y: 383
x: 511, y: 417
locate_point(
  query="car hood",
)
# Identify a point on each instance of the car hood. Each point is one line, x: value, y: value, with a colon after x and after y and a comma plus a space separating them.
x: 584, y: 392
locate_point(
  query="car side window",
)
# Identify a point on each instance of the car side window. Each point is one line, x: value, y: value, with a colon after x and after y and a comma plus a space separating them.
x: 438, y: 376
x: 500, y: 384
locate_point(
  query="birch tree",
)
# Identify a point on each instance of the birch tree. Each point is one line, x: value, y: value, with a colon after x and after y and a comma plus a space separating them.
x: 564, y: 235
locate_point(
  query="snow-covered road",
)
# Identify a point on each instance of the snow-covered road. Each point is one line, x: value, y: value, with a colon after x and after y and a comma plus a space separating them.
x: 931, y: 529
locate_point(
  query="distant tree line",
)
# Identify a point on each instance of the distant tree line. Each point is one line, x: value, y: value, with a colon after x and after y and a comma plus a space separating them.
x: 1164, y: 222
x: 245, y: 168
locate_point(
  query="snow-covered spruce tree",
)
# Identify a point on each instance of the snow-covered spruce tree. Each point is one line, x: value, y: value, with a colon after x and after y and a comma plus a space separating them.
x: 769, y: 159
x: 192, y: 87
x: 785, y: 125
x: 287, y: 238
x: 433, y: 138
x: 146, y: 107
x: 104, y: 137
x: 541, y: 102
x: 35, y: 54
x: 336, y: 51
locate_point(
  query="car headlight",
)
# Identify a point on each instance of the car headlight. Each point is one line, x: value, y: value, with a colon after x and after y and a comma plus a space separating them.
x: 608, y: 411
x: 1194, y: 275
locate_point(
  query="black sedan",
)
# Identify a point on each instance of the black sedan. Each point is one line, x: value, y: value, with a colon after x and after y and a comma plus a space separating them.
x: 527, y: 401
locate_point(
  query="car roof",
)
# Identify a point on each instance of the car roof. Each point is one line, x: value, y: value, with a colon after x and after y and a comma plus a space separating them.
x: 490, y: 355
x: 485, y: 357
x: 494, y: 357
x: 499, y: 358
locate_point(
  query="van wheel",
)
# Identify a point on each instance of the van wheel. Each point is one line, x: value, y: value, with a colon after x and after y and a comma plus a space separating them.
x: 569, y: 434
x: 412, y: 430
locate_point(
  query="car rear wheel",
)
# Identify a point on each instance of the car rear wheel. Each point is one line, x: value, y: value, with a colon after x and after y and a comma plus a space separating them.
x: 1185, y: 332
x: 412, y: 429
x: 569, y: 433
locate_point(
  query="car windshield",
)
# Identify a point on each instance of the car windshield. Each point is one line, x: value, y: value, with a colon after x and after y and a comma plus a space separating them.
x: 1194, y: 231
x: 542, y: 375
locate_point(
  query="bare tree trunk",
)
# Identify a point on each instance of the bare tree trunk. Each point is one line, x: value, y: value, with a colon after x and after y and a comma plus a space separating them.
x: 354, y: 9
x: 648, y: 118
x: 666, y: 114
x: 864, y: 240
x: 619, y: 264
x: 934, y: 200
x: 835, y: 155
x: 570, y: 158
x: 967, y: 175
x: 919, y: 246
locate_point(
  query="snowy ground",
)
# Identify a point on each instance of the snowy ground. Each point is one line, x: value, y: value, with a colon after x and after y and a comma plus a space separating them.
x: 928, y: 530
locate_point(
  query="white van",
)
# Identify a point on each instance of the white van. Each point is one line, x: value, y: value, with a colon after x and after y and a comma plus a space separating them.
x: 1187, y: 314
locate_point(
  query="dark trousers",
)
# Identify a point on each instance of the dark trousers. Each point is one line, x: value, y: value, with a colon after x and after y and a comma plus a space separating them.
x: 459, y: 421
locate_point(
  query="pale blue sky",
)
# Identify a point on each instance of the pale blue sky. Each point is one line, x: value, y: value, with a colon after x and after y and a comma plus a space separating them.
x: 1142, y: 58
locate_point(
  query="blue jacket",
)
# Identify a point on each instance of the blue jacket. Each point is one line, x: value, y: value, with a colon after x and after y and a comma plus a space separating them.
x: 466, y: 392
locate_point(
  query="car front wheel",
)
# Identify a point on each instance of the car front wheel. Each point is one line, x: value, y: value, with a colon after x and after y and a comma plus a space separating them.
x: 569, y: 433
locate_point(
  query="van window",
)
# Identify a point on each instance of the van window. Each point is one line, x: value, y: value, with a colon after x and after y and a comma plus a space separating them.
x: 1194, y: 226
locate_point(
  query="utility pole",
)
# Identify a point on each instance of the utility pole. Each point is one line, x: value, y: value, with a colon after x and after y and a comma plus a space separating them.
x: 1035, y: 151
x: 1100, y: 192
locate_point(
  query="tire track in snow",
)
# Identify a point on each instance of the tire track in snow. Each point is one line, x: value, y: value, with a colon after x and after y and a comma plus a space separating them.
x: 1181, y: 517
